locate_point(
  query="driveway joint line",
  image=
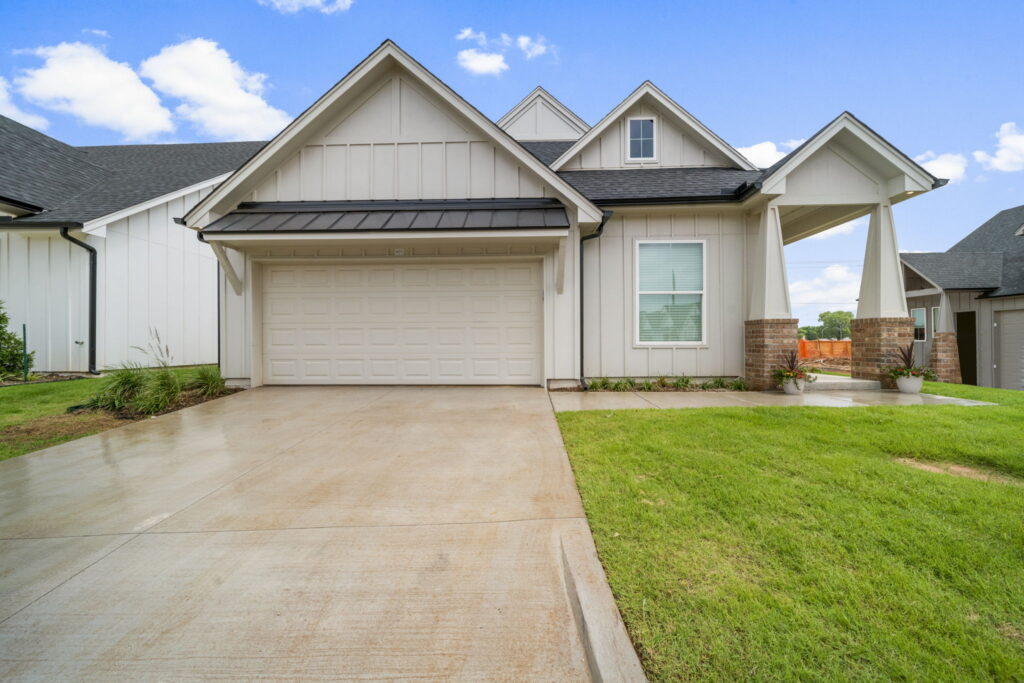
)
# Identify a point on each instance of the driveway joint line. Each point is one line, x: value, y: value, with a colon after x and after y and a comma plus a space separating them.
x: 645, y: 400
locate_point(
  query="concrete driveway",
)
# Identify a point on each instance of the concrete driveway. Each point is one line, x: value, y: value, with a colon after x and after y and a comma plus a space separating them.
x: 391, y: 533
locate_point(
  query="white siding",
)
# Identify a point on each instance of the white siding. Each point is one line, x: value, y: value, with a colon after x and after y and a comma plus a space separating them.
x: 674, y: 145
x: 398, y: 142
x: 609, y: 299
x: 539, y: 121
x: 152, y: 274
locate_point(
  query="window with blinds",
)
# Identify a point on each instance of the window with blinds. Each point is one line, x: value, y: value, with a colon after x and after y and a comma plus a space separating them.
x: 670, y: 292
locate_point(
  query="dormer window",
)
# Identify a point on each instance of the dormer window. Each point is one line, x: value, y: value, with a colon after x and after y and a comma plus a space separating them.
x: 641, y: 139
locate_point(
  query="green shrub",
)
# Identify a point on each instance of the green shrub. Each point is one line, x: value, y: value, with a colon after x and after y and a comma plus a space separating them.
x: 208, y: 381
x: 714, y: 383
x: 624, y: 384
x: 11, y: 359
x: 682, y: 383
x: 646, y: 385
x: 662, y: 383
x: 119, y: 388
x: 161, y: 388
x: 598, y: 384
x: 739, y: 384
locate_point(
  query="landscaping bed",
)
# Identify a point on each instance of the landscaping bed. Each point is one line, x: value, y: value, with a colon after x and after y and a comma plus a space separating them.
x: 681, y: 383
x: 793, y: 543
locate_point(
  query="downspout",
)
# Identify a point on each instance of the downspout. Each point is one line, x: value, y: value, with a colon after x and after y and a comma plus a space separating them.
x: 92, y: 296
x: 605, y: 215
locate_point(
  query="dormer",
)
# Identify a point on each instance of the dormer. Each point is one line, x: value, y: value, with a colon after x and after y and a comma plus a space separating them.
x: 539, y: 116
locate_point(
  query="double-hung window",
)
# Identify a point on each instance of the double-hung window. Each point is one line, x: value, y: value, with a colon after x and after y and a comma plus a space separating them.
x: 920, y: 324
x: 641, y: 140
x: 669, y: 292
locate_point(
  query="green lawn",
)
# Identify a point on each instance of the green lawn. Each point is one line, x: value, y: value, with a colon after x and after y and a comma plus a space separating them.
x: 784, y: 543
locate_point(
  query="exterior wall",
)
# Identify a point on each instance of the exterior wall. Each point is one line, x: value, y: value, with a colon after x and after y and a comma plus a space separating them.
x: 985, y: 310
x: 539, y: 121
x: 239, y: 344
x: 923, y: 350
x: 674, y: 146
x: 152, y: 274
x: 609, y: 296
x: 397, y: 142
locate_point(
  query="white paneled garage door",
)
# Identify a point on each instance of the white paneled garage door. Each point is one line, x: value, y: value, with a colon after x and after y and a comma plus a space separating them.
x: 403, y: 323
x: 1010, y: 348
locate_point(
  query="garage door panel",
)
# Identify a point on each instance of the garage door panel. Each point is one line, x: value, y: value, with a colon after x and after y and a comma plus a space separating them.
x: 403, y: 323
x: 1010, y: 345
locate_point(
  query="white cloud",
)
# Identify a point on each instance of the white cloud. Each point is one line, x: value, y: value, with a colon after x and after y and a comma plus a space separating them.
x: 80, y: 80
x: 842, y: 229
x: 13, y: 111
x: 482, y: 63
x: 1009, y: 154
x: 469, y: 34
x: 219, y: 96
x: 96, y: 32
x: 505, y: 40
x: 293, y: 6
x: 764, y: 154
x: 836, y: 287
x: 949, y: 166
x: 532, y: 47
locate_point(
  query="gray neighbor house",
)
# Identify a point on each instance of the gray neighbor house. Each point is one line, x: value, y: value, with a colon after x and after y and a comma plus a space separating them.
x: 968, y: 304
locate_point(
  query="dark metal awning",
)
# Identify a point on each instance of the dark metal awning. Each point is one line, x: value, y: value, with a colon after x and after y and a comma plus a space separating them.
x: 368, y: 216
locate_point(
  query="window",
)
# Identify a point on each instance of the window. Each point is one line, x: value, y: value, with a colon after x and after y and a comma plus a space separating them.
x: 935, y: 319
x: 920, y: 332
x: 641, y: 139
x: 670, y: 292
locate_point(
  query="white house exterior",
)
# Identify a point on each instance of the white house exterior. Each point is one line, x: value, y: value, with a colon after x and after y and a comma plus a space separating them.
x: 393, y: 234
x: 151, y: 273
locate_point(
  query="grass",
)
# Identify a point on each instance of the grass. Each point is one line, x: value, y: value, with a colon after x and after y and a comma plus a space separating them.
x: 787, y: 543
x: 34, y: 416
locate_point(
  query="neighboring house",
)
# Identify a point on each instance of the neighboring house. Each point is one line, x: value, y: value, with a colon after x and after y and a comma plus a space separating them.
x: 968, y: 304
x: 59, y: 203
x: 394, y: 234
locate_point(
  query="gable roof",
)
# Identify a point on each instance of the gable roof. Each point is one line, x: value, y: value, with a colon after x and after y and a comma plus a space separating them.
x: 622, y: 186
x: 685, y: 118
x: 229, y: 191
x: 563, y: 112
x: 546, y: 150
x: 991, y: 258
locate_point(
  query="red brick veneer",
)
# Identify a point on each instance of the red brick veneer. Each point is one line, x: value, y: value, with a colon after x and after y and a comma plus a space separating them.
x: 945, y: 357
x: 764, y: 343
x: 875, y: 346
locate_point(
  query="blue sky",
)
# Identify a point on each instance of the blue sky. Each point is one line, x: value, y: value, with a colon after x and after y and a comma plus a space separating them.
x: 939, y: 77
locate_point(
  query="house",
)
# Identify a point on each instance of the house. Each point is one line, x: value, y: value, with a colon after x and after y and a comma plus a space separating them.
x: 90, y: 258
x: 394, y: 234
x: 968, y: 304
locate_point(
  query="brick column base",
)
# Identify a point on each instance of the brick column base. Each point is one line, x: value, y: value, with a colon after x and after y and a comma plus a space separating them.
x: 875, y: 346
x: 945, y: 357
x: 764, y: 343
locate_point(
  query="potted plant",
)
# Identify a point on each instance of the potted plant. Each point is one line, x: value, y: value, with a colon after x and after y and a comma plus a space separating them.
x: 790, y: 375
x: 909, y: 377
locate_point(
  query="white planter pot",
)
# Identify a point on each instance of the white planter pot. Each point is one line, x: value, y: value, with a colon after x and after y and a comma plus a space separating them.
x: 793, y: 387
x: 910, y: 385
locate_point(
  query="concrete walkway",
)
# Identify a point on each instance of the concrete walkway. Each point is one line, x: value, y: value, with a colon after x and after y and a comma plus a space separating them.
x: 600, y: 400
x: 385, y: 533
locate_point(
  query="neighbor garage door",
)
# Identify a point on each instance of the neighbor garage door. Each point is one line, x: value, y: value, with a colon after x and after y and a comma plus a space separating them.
x: 408, y: 323
x: 1010, y: 349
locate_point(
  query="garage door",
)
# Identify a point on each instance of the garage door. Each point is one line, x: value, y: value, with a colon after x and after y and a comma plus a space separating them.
x: 408, y: 323
x: 1010, y: 347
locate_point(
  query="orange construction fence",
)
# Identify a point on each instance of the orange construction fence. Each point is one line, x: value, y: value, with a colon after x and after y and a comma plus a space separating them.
x: 824, y: 348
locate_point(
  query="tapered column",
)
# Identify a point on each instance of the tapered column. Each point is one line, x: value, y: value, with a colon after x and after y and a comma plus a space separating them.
x: 883, y: 323
x: 945, y: 354
x: 770, y: 330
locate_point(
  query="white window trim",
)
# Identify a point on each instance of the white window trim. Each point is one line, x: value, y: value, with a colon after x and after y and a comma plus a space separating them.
x: 923, y: 309
x: 703, y: 295
x: 640, y: 160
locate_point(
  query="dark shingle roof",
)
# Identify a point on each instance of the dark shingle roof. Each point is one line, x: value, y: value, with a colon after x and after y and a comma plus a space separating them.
x: 35, y: 169
x: 661, y: 184
x: 133, y: 174
x: 358, y: 216
x: 990, y: 258
x: 547, y: 150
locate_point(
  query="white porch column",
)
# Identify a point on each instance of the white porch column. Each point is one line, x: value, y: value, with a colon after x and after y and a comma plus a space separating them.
x: 769, y: 287
x: 945, y: 314
x: 881, y: 283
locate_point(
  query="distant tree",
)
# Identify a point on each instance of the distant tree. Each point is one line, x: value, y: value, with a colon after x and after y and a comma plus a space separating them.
x: 810, y: 332
x: 835, y: 324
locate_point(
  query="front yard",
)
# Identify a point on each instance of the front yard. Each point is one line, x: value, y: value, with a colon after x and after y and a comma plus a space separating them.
x: 781, y: 543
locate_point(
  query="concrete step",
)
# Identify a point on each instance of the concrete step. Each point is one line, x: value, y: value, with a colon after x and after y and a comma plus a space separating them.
x: 837, y: 383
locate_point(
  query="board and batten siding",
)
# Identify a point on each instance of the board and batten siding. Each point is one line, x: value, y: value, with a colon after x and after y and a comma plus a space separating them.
x: 610, y: 296
x: 674, y: 146
x: 397, y: 142
x: 151, y: 274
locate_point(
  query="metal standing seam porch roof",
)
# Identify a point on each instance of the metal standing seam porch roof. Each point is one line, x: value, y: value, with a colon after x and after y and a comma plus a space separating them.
x: 416, y: 215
